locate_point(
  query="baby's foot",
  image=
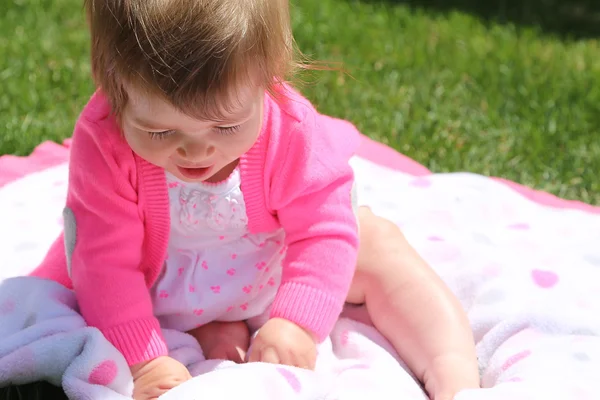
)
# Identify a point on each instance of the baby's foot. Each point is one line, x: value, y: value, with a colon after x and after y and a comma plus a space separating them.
x: 223, y: 340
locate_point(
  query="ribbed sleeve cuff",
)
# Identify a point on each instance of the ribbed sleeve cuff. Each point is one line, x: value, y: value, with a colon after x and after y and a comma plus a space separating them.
x: 312, y: 309
x: 139, y: 340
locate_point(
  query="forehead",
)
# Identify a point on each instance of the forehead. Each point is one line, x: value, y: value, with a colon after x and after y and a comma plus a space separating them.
x: 236, y: 103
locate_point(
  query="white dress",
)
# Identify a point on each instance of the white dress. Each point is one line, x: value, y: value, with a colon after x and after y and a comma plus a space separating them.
x: 216, y: 270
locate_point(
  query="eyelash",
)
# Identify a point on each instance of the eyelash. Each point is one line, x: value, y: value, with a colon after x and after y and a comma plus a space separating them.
x: 229, y: 130
x: 160, y: 135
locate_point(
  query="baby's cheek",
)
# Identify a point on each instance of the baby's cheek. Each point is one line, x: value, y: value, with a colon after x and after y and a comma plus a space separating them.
x: 154, y: 151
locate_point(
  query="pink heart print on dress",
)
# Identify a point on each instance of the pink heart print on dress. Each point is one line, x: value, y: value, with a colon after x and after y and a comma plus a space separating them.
x: 261, y: 265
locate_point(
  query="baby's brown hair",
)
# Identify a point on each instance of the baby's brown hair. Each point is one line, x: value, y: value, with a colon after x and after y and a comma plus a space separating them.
x: 192, y: 53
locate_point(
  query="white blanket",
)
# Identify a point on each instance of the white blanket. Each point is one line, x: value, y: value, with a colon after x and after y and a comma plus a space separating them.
x: 528, y: 275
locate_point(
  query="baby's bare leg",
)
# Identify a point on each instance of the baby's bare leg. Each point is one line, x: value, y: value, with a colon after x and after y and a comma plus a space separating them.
x: 223, y: 340
x: 412, y: 307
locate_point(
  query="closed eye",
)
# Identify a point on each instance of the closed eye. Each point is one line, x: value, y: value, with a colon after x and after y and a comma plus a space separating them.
x: 228, y: 130
x: 160, y: 135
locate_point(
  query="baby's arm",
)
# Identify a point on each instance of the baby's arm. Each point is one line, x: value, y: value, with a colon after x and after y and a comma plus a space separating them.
x: 411, y: 306
x: 104, y: 237
x: 311, y: 194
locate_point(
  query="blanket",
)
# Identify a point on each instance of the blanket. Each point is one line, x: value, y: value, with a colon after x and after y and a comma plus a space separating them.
x: 525, y: 266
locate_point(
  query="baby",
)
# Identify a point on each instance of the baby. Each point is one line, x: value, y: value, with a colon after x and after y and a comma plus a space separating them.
x: 207, y: 196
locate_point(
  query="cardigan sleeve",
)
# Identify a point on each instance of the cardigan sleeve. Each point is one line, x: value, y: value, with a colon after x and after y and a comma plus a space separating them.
x: 104, y: 235
x: 311, y: 194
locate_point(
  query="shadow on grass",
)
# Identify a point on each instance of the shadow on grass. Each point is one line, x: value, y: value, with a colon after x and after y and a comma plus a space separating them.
x: 576, y: 19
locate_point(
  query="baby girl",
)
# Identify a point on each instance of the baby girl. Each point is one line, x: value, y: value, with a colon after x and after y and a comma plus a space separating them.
x: 207, y: 196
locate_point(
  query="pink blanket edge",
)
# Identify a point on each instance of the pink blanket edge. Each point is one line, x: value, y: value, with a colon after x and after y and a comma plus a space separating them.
x: 49, y: 154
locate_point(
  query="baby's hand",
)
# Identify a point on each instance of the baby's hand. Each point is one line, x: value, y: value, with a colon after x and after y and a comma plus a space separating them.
x: 280, y: 341
x: 156, y: 377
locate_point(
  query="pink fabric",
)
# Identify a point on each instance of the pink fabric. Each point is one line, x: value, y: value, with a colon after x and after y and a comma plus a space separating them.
x: 49, y: 154
x: 46, y: 155
x: 548, y: 199
x: 296, y: 177
x: 384, y: 155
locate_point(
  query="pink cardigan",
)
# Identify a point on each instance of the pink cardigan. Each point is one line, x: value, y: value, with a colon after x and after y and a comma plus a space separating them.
x: 296, y: 176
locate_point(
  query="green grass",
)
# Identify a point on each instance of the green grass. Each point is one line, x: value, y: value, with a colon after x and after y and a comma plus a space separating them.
x: 479, y: 88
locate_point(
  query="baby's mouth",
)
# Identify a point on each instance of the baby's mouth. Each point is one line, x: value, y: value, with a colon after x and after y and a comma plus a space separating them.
x: 194, y: 173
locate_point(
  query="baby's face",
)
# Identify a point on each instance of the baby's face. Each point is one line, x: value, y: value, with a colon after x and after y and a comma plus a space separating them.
x: 192, y: 150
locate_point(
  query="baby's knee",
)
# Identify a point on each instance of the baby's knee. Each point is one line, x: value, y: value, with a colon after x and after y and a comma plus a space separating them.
x: 378, y: 234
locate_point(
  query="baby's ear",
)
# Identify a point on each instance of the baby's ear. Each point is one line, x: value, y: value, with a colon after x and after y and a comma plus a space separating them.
x: 70, y: 228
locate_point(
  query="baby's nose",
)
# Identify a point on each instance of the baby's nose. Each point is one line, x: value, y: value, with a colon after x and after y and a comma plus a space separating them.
x: 195, y: 151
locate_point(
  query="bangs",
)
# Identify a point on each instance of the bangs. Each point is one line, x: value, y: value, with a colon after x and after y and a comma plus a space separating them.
x: 202, y: 101
x: 196, y: 55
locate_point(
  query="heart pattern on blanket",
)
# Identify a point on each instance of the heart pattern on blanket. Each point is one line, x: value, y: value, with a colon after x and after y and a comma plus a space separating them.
x: 421, y: 183
x: 515, y: 359
x: 492, y: 270
x: 104, y: 373
x: 522, y: 226
x: 7, y: 307
x: 497, y: 267
x: 291, y: 378
x: 544, y: 279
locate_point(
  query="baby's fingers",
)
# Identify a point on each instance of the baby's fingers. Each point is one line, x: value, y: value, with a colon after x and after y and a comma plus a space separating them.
x: 270, y: 355
x: 311, y: 361
x: 293, y: 358
x: 306, y: 361
x: 266, y: 354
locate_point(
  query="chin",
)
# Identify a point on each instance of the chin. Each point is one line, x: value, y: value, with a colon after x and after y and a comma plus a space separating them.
x: 191, y: 180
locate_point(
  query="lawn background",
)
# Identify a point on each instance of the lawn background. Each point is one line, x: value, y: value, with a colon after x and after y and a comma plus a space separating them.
x: 503, y: 87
